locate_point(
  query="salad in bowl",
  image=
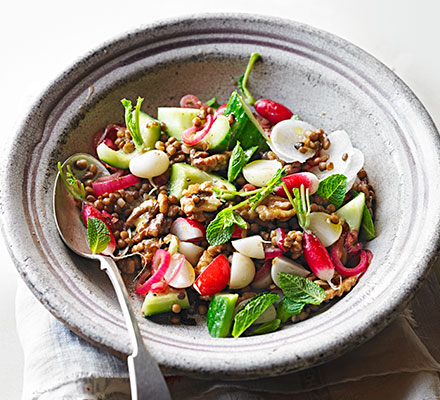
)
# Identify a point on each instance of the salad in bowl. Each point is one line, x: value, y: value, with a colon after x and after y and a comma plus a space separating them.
x: 240, y: 211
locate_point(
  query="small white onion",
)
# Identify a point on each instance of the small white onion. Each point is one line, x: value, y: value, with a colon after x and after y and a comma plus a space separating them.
x: 251, y: 246
x: 260, y: 172
x: 150, y: 164
x: 242, y: 271
x: 327, y: 232
x: 283, y: 264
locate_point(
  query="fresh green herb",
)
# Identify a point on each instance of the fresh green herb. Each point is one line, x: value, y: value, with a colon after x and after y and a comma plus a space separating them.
x: 213, y: 103
x: 238, y: 160
x: 221, y: 228
x: 73, y: 185
x: 301, y: 290
x: 98, y: 235
x: 133, y: 123
x: 242, y: 80
x: 333, y: 188
x: 251, y: 311
x: 267, y: 327
x: 287, y: 308
x: 367, y: 229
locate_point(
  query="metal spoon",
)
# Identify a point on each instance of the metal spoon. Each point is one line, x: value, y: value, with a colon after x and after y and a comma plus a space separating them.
x: 146, y: 379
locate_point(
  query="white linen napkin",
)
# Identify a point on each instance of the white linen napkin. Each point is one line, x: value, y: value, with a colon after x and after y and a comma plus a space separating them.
x: 402, y: 362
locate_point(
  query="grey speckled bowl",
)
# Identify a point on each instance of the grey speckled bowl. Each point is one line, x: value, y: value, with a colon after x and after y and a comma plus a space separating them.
x: 324, y: 79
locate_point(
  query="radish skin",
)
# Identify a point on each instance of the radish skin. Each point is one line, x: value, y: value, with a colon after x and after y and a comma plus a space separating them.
x: 317, y: 257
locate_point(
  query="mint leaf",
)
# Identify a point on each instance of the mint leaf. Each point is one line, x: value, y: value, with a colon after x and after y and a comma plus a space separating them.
x: 287, y: 308
x: 301, y: 290
x: 367, y: 229
x: 267, y: 327
x: 333, y: 188
x: 238, y: 160
x: 132, y: 121
x: 242, y: 80
x: 213, y: 103
x: 98, y: 235
x: 251, y: 311
x: 221, y: 228
x: 267, y: 190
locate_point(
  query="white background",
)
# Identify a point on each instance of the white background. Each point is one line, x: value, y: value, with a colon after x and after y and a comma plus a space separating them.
x: 39, y: 39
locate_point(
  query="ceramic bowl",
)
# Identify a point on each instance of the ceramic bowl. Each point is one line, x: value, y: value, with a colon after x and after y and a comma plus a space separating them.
x: 327, y: 81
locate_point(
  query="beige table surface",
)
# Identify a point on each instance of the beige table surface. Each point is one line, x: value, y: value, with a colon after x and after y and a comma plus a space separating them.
x: 39, y: 40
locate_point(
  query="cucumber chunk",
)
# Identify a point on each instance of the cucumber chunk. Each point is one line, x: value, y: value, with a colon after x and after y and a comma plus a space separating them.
x: 245, y: 127
x: 176, y: 119
x: 220, y: 314
x: 184, y: 175
x: 219, y: 135
x: 157, y: 303
x: 121, y: 159
x: 352, y: 211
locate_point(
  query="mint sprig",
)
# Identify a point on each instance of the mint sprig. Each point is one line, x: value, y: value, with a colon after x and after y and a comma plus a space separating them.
x: 333, y: 188
x: 242, y: 80
x: 98, y: 235
x: 132, y: 121
x: 212, y: 103
x: 367, y: 228
x: 267, y: 327
x: 221, y: 228
x: 251, y: 311
x: 287, y: 308
x: 238, y: 160
x: 73, y: 185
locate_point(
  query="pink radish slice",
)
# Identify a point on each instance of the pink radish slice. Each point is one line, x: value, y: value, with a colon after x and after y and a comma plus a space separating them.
x: 108, y: 186
x: 161, y: 262
x: 317, y: 257
x: 280, y: 236
x: 176, y: 263
x: 158, y: 287
x: 185, y: 278
x: 194, y: 135
x: 269, y: 254
x: 188, y: 230
x: 309, y: 180
x: 263, y: 276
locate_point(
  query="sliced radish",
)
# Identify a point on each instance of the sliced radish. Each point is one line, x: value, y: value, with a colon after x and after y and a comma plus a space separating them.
x: 285, y: 135
x: 176, y: 263
x: 161, y: 262
x: 159, y: 287
x: 214, y: 278
x: 317, y: 257
x: 150, y: 164
x: 271, y: 253
x: 309, y: 180
x: 251, y: 246
x: 283, y: 264
x: 185, y: 278
x: 260, y: 172
x: 346, y: 159
x: 280, y: 237
x: 191, y: 251
x: 327, y: 232
x: 238, y: 232
x: 242, y: 271
x: 263, y: 277
x: 188, y: 230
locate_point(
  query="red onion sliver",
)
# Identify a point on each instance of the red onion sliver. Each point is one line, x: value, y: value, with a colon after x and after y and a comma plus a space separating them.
x: 161, y: 262
x: 118, y: 183
x: 269, y: 254
x: 351, y: 243
x: 190, y: 101
x: 280, y: 236
x: 192, y: 135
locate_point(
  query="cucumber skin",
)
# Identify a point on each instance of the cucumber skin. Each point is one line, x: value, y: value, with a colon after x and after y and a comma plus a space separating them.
x: 220, y: 314
x: 215, y: 144
x: 163, y: 302
x: 243, y: 128
x: 352, y: 211
x: 176, y: 119
x: 150, y: 135
x: 181, y: 171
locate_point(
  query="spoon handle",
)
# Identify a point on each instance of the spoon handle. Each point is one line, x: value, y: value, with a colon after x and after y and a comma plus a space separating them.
x: 146, y: 379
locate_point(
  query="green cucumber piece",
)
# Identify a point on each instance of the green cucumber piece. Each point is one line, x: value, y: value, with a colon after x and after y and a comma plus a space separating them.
x: 157, y: 303
x: 176, y: 119
x: 245, y: 127
x: 219, y: 135
x: 352, y: 211
x: 115, y: 158
x: 121, y: 159
x: 220, y: 314
x: 150, y: 135
x: 184, y: 175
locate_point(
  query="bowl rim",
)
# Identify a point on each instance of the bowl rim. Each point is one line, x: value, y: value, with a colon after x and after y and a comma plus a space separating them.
x: 91, y: 59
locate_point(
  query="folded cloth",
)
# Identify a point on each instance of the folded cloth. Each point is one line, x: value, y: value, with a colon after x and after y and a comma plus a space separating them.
x: 396, y: 364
